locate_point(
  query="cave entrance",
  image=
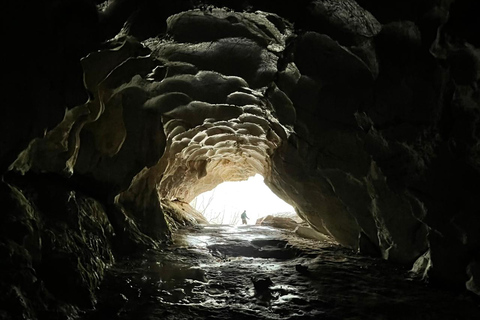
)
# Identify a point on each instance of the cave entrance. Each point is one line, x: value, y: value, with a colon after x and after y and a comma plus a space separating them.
x: 225, y: 203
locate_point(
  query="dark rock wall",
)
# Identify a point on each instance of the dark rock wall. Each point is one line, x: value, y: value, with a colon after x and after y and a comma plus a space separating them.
x: 55, y: 247
x: 362, y: 115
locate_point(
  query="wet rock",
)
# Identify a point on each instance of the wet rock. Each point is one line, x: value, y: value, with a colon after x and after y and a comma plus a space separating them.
x: 302, y: 269
x: 113, y: 304
x: 338, y: 282
x: 262, y: 286
x: 260, y: 248
x: 178, y: 294
x: 261, y: 283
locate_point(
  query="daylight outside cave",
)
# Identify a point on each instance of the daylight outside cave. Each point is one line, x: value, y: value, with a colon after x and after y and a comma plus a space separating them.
x: 225, y: 203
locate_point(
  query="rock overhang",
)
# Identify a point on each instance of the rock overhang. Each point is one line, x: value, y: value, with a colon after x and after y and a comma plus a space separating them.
x: 218, y: 114
x: 227, y: 141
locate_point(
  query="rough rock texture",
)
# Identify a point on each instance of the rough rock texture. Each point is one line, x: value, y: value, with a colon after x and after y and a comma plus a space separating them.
x: 53, y: 240
x: 364, y: 116
x: 310, y: 233
x: 277, y: 222
x: 257, y: 272
x: 181, y: 214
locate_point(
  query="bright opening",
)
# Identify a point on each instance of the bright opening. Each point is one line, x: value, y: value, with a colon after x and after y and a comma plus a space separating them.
x: 225, y: 203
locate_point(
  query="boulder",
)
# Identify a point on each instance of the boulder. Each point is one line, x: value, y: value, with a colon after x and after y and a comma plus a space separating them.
x: 277, y: 222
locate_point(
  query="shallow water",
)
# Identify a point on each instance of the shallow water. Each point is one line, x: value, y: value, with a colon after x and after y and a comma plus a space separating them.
x: 254, y: 272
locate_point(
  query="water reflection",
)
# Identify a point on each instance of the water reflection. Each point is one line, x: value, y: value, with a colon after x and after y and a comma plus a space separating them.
x: 219, y: 272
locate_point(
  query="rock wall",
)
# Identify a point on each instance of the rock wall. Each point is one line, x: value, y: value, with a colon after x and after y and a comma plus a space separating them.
x: 363, y: 117
x: 55, y: 246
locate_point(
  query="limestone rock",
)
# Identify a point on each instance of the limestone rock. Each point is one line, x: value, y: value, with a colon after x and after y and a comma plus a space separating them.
x: 473, y: 283
x: 422, y: 265
x: 52, y: 234
x: 277, y: 222
x: 319, y: 55
x: 230, y: 56
x: 203, y: 26
x: 182, y: 214
x: 261, y: 283
x: 345, y: 20
x: 310, y: 233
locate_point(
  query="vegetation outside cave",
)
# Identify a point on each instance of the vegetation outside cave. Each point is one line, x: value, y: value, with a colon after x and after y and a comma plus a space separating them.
x: 225, y: 203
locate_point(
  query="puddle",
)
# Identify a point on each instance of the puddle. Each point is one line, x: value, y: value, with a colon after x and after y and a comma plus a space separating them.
x: 249, y: 272
x: 197, y: 241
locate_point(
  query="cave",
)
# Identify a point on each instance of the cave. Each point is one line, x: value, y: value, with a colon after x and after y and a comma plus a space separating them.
x: 362, y: 115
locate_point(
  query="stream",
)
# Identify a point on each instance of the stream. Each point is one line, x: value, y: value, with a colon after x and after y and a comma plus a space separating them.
x: 258, y: 272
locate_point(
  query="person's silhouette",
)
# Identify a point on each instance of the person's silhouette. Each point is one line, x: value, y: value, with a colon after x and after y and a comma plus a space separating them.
x: 244, y: 217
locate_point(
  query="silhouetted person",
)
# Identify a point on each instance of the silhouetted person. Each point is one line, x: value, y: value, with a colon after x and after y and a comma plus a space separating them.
x: 244, y: 217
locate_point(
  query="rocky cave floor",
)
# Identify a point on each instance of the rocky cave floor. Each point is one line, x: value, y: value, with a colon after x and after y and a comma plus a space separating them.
x: 257, y: 272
